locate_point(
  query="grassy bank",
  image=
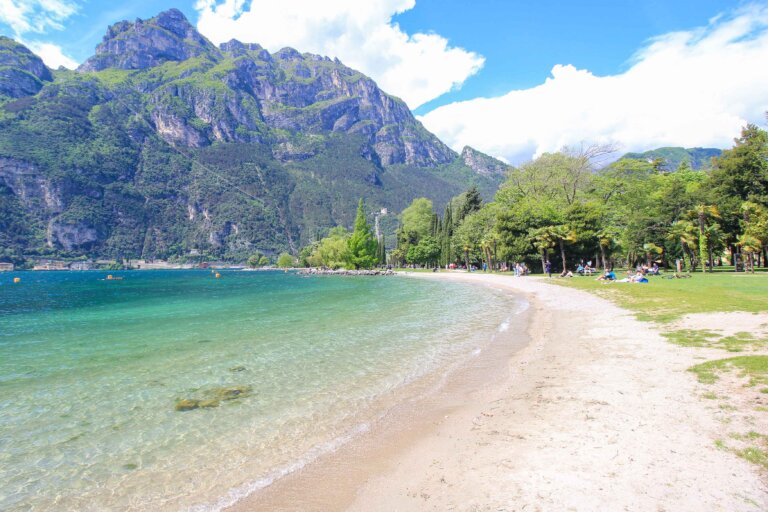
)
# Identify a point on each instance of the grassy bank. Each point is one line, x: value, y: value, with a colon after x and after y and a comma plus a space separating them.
x: 664, y: 300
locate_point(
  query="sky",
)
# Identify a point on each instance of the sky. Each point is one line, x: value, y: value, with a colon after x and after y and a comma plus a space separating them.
x: 513, y: 79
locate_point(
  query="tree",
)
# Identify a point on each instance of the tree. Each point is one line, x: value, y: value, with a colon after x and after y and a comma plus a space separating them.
x: 362, y: 244
x: 742, y: 171
x: 446, y: 247
x: 684, y: 232
x: 543, y: 241
x: 606, y: 239
x: 285, y: 260
x: 253, y: 260
x: 703, y: 213
x: 416, y: 219
x: 562, y: 233
x: 332, y: 251
x: 426, y: 252
x: 472, y: 202
x: 750, y: 245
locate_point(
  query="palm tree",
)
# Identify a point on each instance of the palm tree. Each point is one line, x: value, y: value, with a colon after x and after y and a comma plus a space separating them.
x: 561, y: 234
x: 684, y: 232
x: 702, y: 212
x: 713, y: 236
x: 650, y: 248
x: 750, y: 245
x: 605, y: 239
x: 488, y: 245
x: 543, y: 241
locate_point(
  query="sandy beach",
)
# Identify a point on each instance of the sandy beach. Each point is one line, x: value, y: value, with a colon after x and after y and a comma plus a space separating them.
x: 595, y: 412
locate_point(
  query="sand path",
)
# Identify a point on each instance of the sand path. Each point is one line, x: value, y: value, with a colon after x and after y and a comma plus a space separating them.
x: 598, y: 413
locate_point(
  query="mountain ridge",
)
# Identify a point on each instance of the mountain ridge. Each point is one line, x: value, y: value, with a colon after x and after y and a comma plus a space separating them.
x: 162, y: 143
x: 672, y: 157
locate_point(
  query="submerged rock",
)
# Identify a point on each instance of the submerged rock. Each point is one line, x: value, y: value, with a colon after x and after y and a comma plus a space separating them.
x: 213, y: 398
x: 186, y: 404
x: 238, y: 369
x: 231, y: 393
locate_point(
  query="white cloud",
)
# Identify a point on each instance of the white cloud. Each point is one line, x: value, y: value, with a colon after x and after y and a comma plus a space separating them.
x: 52, y: 55
x: 38, y: 16
x: 24, y: 16
x: 417, y: 67
x: 693, y: 88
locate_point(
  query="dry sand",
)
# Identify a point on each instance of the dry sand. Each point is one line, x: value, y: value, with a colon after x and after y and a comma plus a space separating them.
x: 597, y: 412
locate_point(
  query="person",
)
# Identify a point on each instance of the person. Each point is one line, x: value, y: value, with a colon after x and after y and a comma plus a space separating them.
x: 608, y: 276
x: 579, y: 269
x: 548, y: 269
x: 639, y: 277
x: 566, y: 273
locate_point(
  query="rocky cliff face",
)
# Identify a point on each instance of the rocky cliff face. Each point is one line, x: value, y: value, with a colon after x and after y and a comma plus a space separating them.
x: 258, y: 92
x: 161, y: 143
x: 144, y: 44
x: 483, y: 164
x: 22, y: 73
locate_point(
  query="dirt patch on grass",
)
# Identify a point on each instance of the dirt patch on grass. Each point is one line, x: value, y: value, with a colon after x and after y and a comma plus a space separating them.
x: 725, y: 324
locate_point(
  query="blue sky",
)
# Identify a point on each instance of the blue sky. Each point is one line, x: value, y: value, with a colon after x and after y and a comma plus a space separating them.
x: 456, y: 59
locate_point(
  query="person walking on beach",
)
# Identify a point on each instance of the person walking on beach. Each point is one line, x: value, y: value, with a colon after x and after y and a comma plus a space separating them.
x: 548, y: 269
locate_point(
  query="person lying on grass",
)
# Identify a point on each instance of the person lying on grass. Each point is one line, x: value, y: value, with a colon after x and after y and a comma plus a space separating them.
x: 608, y: 276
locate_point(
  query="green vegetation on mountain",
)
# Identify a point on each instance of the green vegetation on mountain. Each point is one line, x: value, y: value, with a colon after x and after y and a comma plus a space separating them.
x: 669, y: 159
x: 162, y: 143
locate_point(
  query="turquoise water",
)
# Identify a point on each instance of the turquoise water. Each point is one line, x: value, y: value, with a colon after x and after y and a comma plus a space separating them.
x: 91, y: 372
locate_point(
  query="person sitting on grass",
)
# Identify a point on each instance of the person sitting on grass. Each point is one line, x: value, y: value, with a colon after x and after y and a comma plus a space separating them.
x: 566, y: 273
x: 639, y: 277
x: 580, y: 269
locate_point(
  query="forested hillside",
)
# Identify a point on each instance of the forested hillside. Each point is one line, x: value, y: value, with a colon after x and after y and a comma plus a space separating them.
x: 162, y: 143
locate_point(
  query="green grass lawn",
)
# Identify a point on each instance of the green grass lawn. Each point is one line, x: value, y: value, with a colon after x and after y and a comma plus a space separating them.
x: 664, y: 300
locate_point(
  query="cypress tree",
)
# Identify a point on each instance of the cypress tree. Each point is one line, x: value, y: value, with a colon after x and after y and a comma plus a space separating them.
x: 362, y: 244
x: 445, y: 241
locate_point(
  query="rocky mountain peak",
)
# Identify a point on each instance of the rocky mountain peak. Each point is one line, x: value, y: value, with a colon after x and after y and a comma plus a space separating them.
x: 483, y: 164
x: 288, y: 54
x: 22, y: 73
x: 147, y: 43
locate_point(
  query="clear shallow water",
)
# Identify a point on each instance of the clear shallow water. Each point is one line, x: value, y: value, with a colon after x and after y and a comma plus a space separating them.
x: 91, y: 370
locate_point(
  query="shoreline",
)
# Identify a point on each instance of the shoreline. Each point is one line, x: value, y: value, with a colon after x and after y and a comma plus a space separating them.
x: 596, y: 412
x: 421, y: 406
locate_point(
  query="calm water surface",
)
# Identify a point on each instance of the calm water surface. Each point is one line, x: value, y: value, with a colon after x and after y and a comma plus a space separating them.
x: 91, y: 372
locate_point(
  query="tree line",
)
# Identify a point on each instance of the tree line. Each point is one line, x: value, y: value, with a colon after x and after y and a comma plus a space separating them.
x: 566, y: 207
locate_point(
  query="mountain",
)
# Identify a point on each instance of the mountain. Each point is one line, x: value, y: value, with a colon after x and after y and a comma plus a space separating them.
x: 162, y: 143
x: 22, y: 73
x: 698, y: 158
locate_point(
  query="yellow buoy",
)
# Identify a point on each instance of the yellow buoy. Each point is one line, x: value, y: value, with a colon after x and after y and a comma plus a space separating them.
x: 109, y: 277
x: 16, y: 279
x: 218, y: 275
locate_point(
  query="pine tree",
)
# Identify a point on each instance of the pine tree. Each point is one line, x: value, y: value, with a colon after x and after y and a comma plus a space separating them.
x: 362, y: 244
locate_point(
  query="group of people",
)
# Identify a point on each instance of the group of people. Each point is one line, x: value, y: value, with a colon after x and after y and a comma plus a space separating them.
x: 652, y: 270
x: 638, y: 277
